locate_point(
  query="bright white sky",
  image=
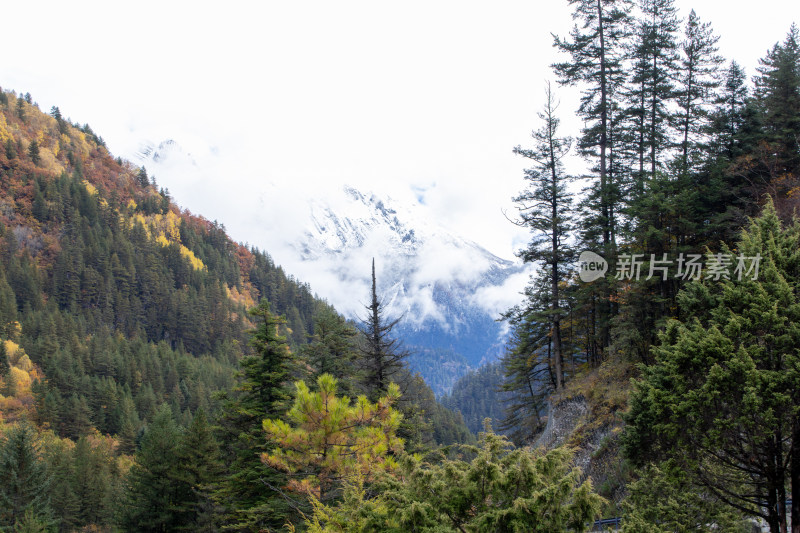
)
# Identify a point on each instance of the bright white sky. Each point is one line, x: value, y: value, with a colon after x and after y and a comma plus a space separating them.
x: 416, y: 98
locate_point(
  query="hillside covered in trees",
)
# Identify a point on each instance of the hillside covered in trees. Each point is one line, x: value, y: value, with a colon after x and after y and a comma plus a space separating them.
x: 157, y: 376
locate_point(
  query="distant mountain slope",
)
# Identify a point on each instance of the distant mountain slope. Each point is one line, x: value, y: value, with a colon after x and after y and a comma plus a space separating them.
x: 477, y: 396
x: 118, y: 300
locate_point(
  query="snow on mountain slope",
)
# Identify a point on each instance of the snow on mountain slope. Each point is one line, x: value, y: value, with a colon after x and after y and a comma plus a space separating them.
x: 448, y: 289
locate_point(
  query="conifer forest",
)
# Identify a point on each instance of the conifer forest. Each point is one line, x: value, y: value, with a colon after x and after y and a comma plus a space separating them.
x: 157, y: 376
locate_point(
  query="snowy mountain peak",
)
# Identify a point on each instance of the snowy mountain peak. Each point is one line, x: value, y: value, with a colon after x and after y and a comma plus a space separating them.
x: 355, y: 220
x: 449, y: 289
x: 162, y: 152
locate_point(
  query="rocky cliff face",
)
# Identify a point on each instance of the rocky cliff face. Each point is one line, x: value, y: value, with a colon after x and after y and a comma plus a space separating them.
x: 587, y: 416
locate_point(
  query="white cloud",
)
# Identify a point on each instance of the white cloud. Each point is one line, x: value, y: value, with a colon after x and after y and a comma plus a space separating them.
x: 497, y: 299
x: 278, y: 101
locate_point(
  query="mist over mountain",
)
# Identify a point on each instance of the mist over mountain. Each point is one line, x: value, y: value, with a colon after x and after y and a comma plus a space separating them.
x: 162, y: 151
x: 448, y: 290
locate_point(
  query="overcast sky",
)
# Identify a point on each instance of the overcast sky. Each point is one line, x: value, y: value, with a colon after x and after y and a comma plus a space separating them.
x: 421, y: 99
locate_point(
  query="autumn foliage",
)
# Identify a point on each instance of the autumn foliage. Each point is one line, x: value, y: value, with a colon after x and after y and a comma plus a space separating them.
x: 329, y: 441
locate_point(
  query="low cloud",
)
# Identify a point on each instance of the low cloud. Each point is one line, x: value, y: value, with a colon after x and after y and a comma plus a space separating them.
x: 497, y: 299
x: 416, y: 260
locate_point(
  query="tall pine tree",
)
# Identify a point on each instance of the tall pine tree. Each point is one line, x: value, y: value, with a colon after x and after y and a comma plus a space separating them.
x: 545, y: 208
x: 252, y: 492
x: 596, y: 50
x: 382, y: 354
x: 698, y: 79
x: 653, y: 58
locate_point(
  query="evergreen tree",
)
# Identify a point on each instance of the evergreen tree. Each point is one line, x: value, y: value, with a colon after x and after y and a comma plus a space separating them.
x: 8, y: 307
x: 94, y: 484
x: 545, y: 208
x: 252, y: 490
x: 62, y: 124
x: 142, y: 178
x: 728, y: 118
x: 10, y: 149
x: 128, y: 423
x: 653, y: 56
x: 24, y: 478
x: 63, y: 501
x: 151, y: 493
x: 39, y: 208
x: 33, y: 152
x: 698, y: 78
x: 597, y: 49
x: 778, y: 96
x: 597, y: 53
x: 198, y: 473
x: 528, y: 377
x: 75, y: 419
x: 5, y: 366
x: 734, y: 133
x: 722, y: 400
x: 267, y: 373
x: 333, y: 349
x: 660, y: 208
x: 382, y: 354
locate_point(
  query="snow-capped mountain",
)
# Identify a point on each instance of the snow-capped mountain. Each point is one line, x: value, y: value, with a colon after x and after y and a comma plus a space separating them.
x: 444, y: 286
x: 448, y: 289
x: 163, y: 151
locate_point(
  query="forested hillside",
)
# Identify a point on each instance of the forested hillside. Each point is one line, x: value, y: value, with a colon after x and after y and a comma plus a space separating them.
x: 117, y: 296
x: 477, y: 395
x: 126, y: 327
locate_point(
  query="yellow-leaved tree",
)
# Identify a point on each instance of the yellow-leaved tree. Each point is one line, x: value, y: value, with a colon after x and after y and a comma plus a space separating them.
x: 330, y: 442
